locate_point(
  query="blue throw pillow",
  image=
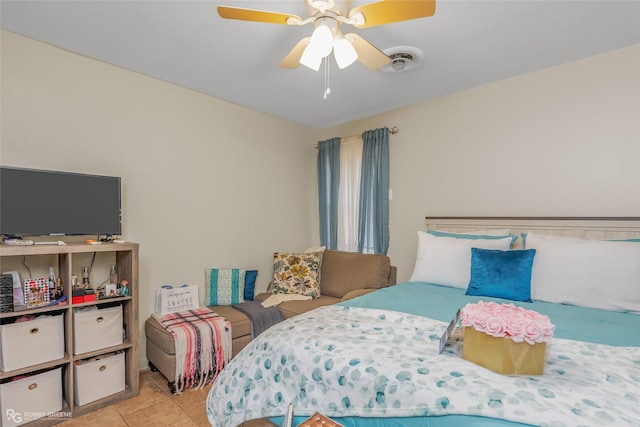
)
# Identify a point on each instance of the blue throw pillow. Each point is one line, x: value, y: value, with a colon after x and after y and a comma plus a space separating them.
x: 501, y: 274
x: 250, y: 284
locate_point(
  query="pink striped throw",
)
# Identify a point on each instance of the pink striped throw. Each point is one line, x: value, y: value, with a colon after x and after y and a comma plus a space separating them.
x: 203, y: 345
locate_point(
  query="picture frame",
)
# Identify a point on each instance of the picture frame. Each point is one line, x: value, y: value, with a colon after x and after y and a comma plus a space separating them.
x: 111, y: 290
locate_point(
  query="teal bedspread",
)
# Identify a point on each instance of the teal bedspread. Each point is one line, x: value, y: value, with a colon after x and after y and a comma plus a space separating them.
x: 373, y: 361
x: 441, y: 302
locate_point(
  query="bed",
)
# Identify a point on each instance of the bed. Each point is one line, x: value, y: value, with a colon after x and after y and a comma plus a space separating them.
x: 373, y: 361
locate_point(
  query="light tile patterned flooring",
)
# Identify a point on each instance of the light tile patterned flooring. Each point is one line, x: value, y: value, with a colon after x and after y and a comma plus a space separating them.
x: 154, y: 406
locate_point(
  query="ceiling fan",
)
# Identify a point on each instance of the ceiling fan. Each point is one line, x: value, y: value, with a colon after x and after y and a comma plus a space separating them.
x: 327, y: 17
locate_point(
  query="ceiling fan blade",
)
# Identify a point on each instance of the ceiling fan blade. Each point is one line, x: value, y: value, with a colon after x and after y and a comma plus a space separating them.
x: 292, y: 60
x: 255, y: 15
x: 388, y: 11
x: 369, y: 55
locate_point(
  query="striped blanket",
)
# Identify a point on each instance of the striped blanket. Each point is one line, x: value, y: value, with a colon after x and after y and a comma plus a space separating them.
x: 203, y: 345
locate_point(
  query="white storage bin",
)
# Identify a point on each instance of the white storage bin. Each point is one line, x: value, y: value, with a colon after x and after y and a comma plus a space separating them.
x: 99, y: 378
x: 96, y: 329
x: 40, y: 340
x: 30, y: 398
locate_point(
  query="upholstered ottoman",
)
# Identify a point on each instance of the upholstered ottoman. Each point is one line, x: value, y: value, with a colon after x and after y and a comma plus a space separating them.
x: 161, y: 350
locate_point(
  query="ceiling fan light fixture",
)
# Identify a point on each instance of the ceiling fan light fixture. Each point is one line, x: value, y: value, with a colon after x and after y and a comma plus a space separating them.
x: 321, y: 43
x: 327, y: 17
x: 321, y: 40
x: 343, y: 51
x: 311, y: 59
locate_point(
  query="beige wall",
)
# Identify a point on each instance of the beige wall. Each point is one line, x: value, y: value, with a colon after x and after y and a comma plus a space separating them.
x: 209, y: 183
x: 564, y: 141
x: 206, y: 183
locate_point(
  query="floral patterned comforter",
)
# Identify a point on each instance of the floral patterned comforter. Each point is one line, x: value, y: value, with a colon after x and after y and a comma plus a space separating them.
x: 347, y: 361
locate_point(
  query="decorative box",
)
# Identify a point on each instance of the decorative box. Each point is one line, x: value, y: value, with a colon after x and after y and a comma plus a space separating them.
x: 95, y: 329
x: 503, y: 355
x: 41, y: 340
x: 504, y: 338
x: 77, y: 296
x: 30, y: 398
x: 98, y: 377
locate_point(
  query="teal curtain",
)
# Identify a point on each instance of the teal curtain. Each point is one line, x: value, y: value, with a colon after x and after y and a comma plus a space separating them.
x: 328, y: 190
x: 373, y: 221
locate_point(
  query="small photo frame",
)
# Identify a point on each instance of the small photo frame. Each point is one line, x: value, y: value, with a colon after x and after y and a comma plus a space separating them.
x: 111, y: 290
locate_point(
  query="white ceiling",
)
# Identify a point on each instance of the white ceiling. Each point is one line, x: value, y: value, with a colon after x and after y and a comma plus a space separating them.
x: 465, y: 44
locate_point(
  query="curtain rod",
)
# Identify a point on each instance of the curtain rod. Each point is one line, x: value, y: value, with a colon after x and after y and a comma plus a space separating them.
x: 392, y: 131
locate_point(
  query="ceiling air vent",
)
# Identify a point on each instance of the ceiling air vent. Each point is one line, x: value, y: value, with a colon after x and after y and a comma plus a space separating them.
x: 403, y: 58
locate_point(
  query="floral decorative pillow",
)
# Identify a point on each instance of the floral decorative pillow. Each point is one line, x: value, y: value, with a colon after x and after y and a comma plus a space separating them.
x: 297, y: 273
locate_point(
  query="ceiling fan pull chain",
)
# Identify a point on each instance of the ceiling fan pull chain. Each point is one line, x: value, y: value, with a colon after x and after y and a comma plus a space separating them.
x: 327, y: 89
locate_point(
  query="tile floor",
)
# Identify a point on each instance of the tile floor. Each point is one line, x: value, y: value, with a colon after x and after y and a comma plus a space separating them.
x: 154, y: 406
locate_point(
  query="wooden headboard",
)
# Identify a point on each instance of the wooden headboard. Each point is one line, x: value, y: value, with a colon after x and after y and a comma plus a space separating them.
x: 603, y: 228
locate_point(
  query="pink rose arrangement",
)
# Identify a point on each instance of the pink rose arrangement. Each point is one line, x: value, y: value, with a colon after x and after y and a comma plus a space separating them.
x: 507, y: 320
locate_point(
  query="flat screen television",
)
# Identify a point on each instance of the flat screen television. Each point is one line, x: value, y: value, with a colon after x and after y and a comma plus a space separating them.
x: 51, y: 203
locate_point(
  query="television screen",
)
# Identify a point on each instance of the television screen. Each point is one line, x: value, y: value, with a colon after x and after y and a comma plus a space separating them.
x: 50, y: 203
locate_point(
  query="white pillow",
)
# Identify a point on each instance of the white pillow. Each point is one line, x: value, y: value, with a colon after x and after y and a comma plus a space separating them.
x: 589, y: 273
x: 447, y: 260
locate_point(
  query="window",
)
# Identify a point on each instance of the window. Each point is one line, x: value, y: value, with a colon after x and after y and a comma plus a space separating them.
x: 353, y: 192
